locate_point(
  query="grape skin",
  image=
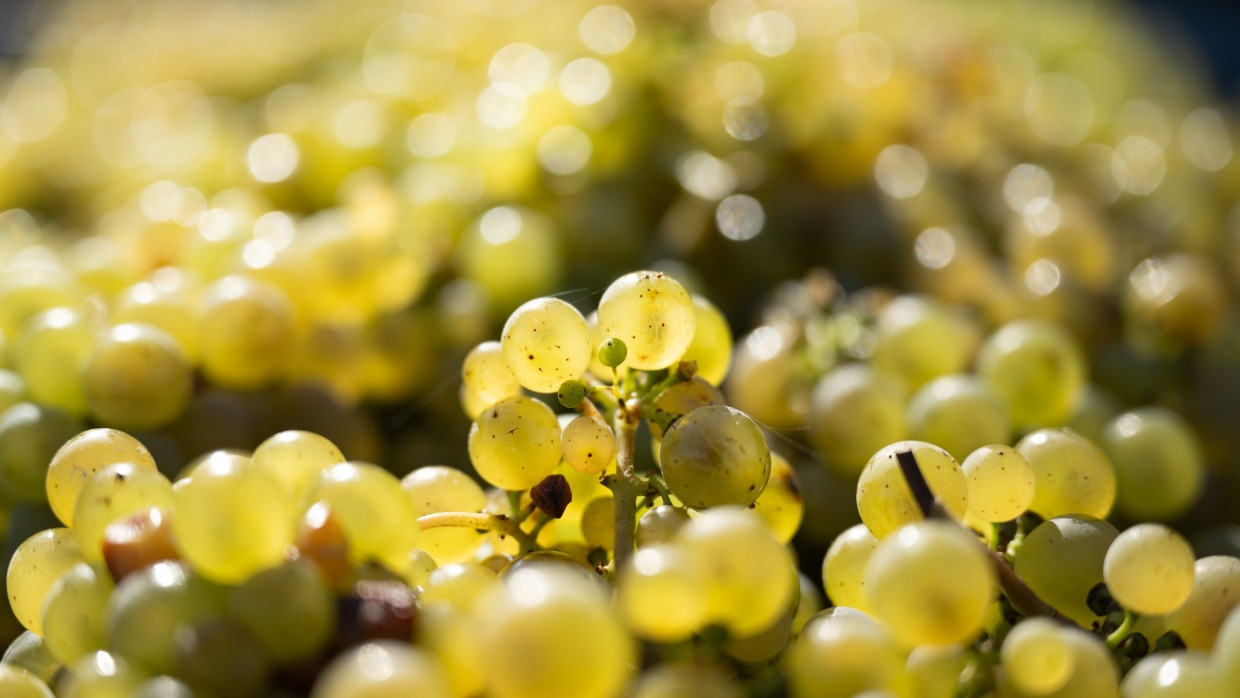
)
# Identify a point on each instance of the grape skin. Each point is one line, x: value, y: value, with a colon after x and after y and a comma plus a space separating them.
x: 843, y: 567
x: 1071, y: 474
x: 1149, y: 569
x: 654, y: 316
x: 715, y: 455
x: 1061, y: 560
x: 1001, y: 483
x: 82, y: 456
x: 515, y: 443
x: 35, y: 566
x: 884, y: 499
x: 546, y: 342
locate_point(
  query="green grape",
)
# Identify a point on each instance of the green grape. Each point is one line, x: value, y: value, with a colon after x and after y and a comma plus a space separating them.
x: 1149, y: 569
x: 1214, y: 596
x: 219, y: 656
x: 960, y: 413
x: 485, y: 374
x: 1175, y: 674
x: 378, y: 517
x: 855, y: 411
x: 164, y: 303
x: 1226, y: 654
x: 612, y: 352
x: 571, y: 394
x: 29, y: 652
x: 12, y: 386
x: 546, y: 342
x: 1095, y: 673
x: 935, y: 670
x: 679, y: 680
x: 711, y: 347
x: 137, y: 377
x: 1000, y: 481
x: 455, y: 638
x: 526, y: 622
x: 515, y: 443
x: 248, y: 328
x: 30, y: 434
x: 73, y: 612
x: 148, y: 608
x: 417, y: 569
x: 765, y: 645
x: 231, y: 519
x: 598, y: 523
x: 884, y: 499
x: 100, y: 675
x: 588, y: 444
x: 50, y: 354
x: 1037, y: 659
x: 82, y: 456
x: 1038, y: 370
x: 780, y: 505
x: 920, y: 339
x: 753, y: 574
x: 1094, y: 413
x: 382, y: 670
x: 460, y: 586
x: 659, y: 594
x: 1061, y: 560
x: 16, y: 682
x: 654, y: 316
x: 437, y: 488
x: 767, y: 380
x: 29, y: 289
x: 809, y: 604
x: 511, y: 253
x: 841, y: 657
x: 1159, y: 467
x: 1071, y: 474
x: 114, y: 492
x: 843, y: 567
x: 295, y: 458
x: 659, y: 525
x: 930, y: 583
x: 34, y: 568
x: 715, y: 455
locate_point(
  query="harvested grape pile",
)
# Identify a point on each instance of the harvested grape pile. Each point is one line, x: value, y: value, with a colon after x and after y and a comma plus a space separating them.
x: 386, y: 348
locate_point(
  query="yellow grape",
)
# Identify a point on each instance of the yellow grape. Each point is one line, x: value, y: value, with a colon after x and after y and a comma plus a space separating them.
x: 1213, y: 598
x: 35, y: 566
x: 598, y: 523
x: 680, y: 680
x: 935, y: 669
x: 780, y: 505
x: 30, y: 435
x: 1000, y: 483
x: 511, y: 253
x: 1176, y: 674
x: 1036, y: 656
x: 1061, y: 560
x: 27, y: 290
x: 715, y: 455
x: 100, y: 675
x: 920, y: 339
x: 73, y: 612
x: 437, y: 488
x: 1095, y: 673
x: 81, y: 457
x: 1159, y: 467
x: 711, y: 347
x: 295, y: 458
x: 659, y: 525
x: 515, y: 443
x: 884, y: 499
x: 1071, y: 474
x: 113, y: 492
x: 841, y: 657
x: 378, y: 517
x: 654, y: 316
x: 960, y: 413
x: 843, y: 567
x: 588, y: 444
x: 485, y: 374
x: 383, y: 669
x: 1038, y: 370
x: 50, y: 354
x: 659, y: 594
x: 461, y: 586
x: 248, y: 330
x: 16, y: 682
x: 767, y: 382
x: 454, y: 636
x: 1149, y: 569
x: 165, y: 302
x: 854, y: 412
x: 137, y: 377
x: 546, y: 342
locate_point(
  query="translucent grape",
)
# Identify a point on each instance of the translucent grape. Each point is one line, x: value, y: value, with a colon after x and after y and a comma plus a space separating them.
x: 461, y: 586
x: 1095, y: 673
x: 454, y: 636
x: 485, y: 374
x: 219, y: 656
x: 167, y: 306
x: 546, y: 342
x: 149, y: 606
x: 30, y: 435
x: 598, y: 523
x: 50, y: 355
x: 711, y: 347
x: 935, y: 669
x: 19, y: 683
x: 1037, y: 369
x: 1159, y: 468
x: 659, y: 594
x: 511, y: 253
x: 35, y: 566
x: 930, y: 583
x: 679, y: 680
x: 654, y: 316
x: 855, y: 411
x: 1071, y: 474
x: 1216, y: 592
x: 28, y: 651
x: 113, y: 492
x: 1000, y: 481
x: 919, y: 339
x: 1036, y: 657
x: 659, y: 525
x: 780, y: 505
x: 715, y: 455
x: 137, y: 377
x: 515, y: 443
x: 1226, y: 655
x: 383, y: 669
x: 1061, y: 560
x: 295, y: 459
x: 1176, y: 674
x: 231, y: 519
x: 378, y: 517
x: 100, y: 675
x: 82, y: 456
x: 73, y: 612
x: 840, y: 657
x: 588, y: 444
x: 960, y: 413
x: 843, y: 567
x: 767, y: 380
x: 436, y: 488
x: 884, y: 499
x: 248, y: 328
x: 1149, y: 569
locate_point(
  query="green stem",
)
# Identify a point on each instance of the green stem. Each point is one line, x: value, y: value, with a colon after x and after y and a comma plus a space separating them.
x: 625, y: 486
x: 498, y: 523
x: 1124, y: 629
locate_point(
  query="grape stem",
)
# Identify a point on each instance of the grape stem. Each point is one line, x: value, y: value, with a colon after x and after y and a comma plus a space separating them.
x: 1124, y: 629
x: 625, y: 486
x: 1023, y: 599
x: 498, y: 523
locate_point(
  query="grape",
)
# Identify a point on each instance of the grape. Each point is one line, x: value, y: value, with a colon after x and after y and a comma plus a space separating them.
x: 959, y: 413
x: 164, y: 303
x: 295, y: 458
x: 383, y: 669
x: 112, y: 493
x: 935, y: 669
x: 1214, y: 595
x: 436, y: 488
x: 1094, y: 671
x: 843, y: 567
x: 840, y: 657
x: 546, y: 342
x: 29, y: 652
x: 711, y: 347
x: 515, y: 443
x: 485, y: 374
x: 1149, y: 569
x: 137, y: 377
x: 219, y: 656
x: 248, y: 328
x: 654, y: 316
x: 19, y: 683
x: 855, y: 411
x: 73, y: 612
x: 766, y: 379
x: 659, y: 524
x: 511, y: 253
x: 34, y: 568
x: 138, y: 540
x: 82, y: 456
x: 30, y: 434
x: 29, y: 289
x: 1038, y: 370
x: 679, y: 680
x: 715, y: 455
x: 1174, y: 302
x: 50, y: 355
x: 231, y: 519
x: 1226, y: 654
x: 1071, y: 474
x: 1061, y: 560
x: 163, y: 687
x: 460, y: 586
x: 919, y: 339
x: 1175, y: 674
x: 378, y: 517
x: 884, y: 499
x: 12, y: 386
x: 454, y: 637
x: 598, y: 523
x: 100, y: 675
x: 810, y: 603
x: 659, y: 594
x: 1000, y: 481
x: 1036, y: 657
x: 149, y: 606
x: 780, y: 505
x: 588, y: 444
x: 1159, y: 468
x: 527, y: 621
x: 752, y: 576
x: 930, y: 583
